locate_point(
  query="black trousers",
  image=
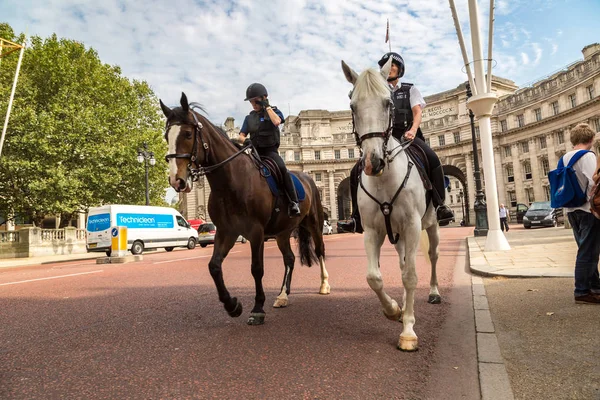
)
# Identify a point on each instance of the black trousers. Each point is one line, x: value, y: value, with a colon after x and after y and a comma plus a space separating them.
x: 273, y: 154
x: 435, y: 173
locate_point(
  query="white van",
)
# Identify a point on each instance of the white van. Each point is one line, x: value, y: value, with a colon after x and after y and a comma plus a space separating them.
x: 147, y: 228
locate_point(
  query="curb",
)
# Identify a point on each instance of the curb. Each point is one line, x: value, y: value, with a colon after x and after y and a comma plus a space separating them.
x: 479, y: 265
x: 493, y: 378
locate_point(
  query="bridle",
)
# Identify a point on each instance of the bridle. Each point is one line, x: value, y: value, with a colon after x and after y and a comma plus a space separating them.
x: 384, y: 134
x: 195, y: 168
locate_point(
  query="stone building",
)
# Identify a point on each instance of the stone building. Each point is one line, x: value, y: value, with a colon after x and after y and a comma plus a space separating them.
x: 530, y: 132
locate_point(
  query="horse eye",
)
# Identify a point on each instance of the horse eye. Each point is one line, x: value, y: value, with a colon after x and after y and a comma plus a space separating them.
x: 188, y: 135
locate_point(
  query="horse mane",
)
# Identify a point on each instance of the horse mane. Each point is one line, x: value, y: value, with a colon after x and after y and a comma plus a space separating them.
x: 370, y: 83
x: 181, y: 116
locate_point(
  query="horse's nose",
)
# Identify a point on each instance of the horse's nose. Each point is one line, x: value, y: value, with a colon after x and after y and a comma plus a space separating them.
x: 377, y: 164
x: 180, y: 184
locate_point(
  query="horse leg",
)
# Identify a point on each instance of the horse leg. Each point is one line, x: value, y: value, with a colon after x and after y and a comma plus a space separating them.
x: 317, y: 235
x: 373, y: 242
x: 408, y: 339
x: 221, y: 248
x: 257, y: 315
x: 433, y: 233
x: 283, y: 242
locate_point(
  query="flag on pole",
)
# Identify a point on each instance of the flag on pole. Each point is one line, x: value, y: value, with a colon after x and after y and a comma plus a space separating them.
x: 387, y: 31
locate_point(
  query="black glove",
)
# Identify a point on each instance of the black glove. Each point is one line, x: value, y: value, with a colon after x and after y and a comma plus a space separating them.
x: 264, y: 103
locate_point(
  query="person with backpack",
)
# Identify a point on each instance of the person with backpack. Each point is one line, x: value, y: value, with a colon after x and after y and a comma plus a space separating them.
x: 570, y: 187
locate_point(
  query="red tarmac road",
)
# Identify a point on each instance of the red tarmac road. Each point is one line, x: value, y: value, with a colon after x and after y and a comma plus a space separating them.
x: 156, y: 329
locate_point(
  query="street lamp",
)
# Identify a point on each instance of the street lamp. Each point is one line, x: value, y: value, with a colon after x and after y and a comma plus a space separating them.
x: 481, y: 221
x: 145, y: 156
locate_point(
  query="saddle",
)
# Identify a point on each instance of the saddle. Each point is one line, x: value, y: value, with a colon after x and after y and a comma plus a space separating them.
x: 272, y: 173
x: 418, y: 157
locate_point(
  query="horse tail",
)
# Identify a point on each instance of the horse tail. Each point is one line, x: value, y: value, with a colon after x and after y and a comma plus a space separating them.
x: 310, y: 231
x: 424, y: 242
x: 308, y: 255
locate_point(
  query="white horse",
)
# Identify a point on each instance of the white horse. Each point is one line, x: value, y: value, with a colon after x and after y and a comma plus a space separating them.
x: 390, y: 184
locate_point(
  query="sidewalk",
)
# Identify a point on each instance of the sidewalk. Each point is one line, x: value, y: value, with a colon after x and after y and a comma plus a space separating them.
x: 21, y: 262
x: 540, y: 252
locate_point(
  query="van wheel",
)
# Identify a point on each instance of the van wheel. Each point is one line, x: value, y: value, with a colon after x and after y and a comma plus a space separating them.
x: 203, y: 245
x: 191, y: 243
x: 137, y: 247
x: 168, y: 248
x: 108, y: 253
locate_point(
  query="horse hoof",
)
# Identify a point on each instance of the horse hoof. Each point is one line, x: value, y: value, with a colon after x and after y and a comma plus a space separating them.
x: 256, y: 319
x: 237, y: 311
x: 434, y: 299
x: 410, y: 343
x: 396, y: 315
x: 325, y: 289
x: 280, y: 303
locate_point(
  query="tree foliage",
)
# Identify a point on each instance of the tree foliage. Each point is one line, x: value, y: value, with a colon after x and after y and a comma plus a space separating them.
x: 74, y: 132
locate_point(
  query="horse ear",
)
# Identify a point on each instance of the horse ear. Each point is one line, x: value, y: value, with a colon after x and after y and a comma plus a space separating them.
x: 385, y: 70
x: 166, y: 110
x: 184, y: 103
x: 351, y: 76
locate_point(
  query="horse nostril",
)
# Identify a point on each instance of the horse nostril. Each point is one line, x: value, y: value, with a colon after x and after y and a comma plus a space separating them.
x: 181, y: 183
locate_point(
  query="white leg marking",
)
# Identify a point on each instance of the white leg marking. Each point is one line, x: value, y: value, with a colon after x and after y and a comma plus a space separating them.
x: 325, y: 288
x: 282, y: 299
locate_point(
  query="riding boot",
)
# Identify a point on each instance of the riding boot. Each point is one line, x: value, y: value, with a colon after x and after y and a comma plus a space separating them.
x: 354, y: 224
x: 444, y: 213
x: 294, y: 208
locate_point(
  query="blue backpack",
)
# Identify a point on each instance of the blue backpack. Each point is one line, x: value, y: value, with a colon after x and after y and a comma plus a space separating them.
x: 565, y: 190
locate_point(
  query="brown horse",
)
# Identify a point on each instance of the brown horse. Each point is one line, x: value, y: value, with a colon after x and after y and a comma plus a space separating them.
x: 241, y: 203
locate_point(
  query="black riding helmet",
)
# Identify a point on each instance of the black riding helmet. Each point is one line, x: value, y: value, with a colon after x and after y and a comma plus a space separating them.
x: 255, y: 90
x: 396, y: 59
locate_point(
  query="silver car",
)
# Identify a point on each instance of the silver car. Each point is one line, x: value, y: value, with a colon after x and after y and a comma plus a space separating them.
x: 206, y: 234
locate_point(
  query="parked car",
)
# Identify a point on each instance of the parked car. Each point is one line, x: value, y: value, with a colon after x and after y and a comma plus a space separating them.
x: 327, y: 228
x: 339, y: 227
x: 542, y: 214
x: 206, y: 234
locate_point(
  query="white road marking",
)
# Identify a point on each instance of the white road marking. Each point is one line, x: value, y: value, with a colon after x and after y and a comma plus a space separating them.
x: 189, y: 258
x: 51, y: 277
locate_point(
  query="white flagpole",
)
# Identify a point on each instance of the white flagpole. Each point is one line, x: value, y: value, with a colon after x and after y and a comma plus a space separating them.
x: 12, y: 95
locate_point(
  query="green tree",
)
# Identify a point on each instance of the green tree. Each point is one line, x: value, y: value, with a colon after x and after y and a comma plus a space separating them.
x: 74, y: 132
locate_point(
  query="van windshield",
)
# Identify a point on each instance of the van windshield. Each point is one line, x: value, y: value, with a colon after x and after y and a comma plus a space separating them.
x: 207, y: 228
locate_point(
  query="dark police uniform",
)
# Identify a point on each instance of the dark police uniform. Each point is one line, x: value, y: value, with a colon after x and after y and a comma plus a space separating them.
x: 265, y: 137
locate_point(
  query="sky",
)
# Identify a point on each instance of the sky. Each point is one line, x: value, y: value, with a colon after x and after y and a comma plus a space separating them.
x: 212, y: 50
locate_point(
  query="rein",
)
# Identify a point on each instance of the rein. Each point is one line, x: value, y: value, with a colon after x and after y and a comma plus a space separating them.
x: 201, y: 168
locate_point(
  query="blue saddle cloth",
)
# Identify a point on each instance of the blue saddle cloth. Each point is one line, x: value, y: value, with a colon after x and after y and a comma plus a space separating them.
x: 275, y: 188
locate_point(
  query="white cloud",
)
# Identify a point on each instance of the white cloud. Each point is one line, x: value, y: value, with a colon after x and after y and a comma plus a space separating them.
x: 214, y: 49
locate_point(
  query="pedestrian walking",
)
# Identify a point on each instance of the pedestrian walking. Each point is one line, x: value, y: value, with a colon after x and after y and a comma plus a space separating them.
x: 503, y: 218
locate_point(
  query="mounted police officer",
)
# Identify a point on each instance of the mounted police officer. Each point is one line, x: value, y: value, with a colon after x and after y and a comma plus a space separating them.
x: 263, y: 126
x: 408, y: 105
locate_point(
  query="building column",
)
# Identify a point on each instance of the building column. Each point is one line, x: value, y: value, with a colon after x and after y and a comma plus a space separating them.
x: 81, y: 220
x: 519, y: 190
x: 536, y: 173
x: 500, y: 175
x: 333, y: 214
x: 552, y: 161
